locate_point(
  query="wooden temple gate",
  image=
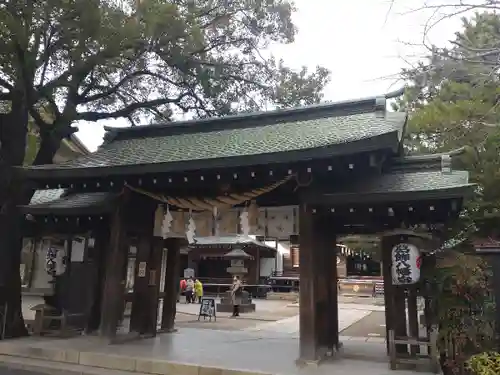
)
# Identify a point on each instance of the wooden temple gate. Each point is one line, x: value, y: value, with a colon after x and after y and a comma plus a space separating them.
x: 341, y: 165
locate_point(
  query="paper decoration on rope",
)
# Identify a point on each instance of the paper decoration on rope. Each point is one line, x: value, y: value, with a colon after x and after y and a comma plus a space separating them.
x: 279, y: 221
x: 203, y: 222
x: 191, y: 230
x: 228, y: 222
x: 244, y: 223
x: 215, y: 213
x: 406, y: 262
x: 253, y: 216
x: 207, y: 204
x: 158, y: 223
x: 178, y: 222
x: 261, y: 227
x: 167, y: 223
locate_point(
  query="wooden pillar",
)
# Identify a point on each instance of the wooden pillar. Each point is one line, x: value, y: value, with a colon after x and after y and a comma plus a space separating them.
x: 173, y: 246
x: 98, y: 257
x: 394, y: 296
x: 318, y: 302
x: 154, y: 284
x: 327, y: 305
x: 413, y: 318
x: 257, y: 266
x: 308, y: 341
x: 114, y: 286
x: 140, y: 305
x: 65, y: 279
x: 334, y: 342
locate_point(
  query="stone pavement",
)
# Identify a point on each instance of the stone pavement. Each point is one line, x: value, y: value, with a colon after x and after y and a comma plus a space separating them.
x: 265, y: 342
x: 12, y: 371
x: 348, y: 315
x: 271, y: 317
x: 197, y: 352
x: 266, y: 310
x: 268, y: 346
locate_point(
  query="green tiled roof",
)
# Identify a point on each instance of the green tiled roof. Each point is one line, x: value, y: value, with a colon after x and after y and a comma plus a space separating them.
x: 400, y: 182
x: 268, y: 140
x: 392, y: 187
x: 53, y: 201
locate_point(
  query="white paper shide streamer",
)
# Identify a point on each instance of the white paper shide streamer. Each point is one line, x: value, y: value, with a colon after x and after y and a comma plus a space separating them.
x: 215, y: 213
x: 244, y: 223
x: 166, y: 224
x: 191, y: 230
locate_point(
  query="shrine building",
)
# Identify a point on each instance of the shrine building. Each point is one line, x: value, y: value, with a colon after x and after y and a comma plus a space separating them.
x: 308, y: 175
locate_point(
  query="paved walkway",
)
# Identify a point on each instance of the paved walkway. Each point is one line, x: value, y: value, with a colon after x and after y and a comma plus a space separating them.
x: 265, y: 310
x: 347, y: 317
x: 271, y: 317
x: 266, y: 345
x: 190, y: 351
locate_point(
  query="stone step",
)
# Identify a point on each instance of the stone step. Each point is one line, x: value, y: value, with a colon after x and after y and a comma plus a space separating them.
x: 58, y: 361
x: 56, y: 368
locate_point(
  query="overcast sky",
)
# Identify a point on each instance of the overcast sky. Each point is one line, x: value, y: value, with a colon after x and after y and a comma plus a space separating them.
x: 364, y: 43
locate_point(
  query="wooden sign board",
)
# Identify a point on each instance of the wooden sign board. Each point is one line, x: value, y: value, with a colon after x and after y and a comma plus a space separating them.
x: 141, y: 272
x: 188, y: 272
x: 152, y: 277
x: 207, y: 309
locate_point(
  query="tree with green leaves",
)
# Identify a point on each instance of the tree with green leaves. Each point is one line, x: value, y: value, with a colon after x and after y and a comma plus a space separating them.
x: 64, y: 61
x: 454, y: 102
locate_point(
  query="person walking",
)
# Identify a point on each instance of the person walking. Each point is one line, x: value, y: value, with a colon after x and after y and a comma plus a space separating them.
x: 182, y: 289
x: 190, y: 290
x: 198, y: 290
x: 236, y: 290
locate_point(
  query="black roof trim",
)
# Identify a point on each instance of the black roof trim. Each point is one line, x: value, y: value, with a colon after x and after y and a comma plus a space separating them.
x: 404, y: 185
x: 341, y: 108
x: 386, y: 141
x: 422, y: 162
x: 410, y: 159
x: 458, y: 192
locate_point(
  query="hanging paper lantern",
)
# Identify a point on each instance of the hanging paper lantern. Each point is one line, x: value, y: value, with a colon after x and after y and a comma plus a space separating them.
x: 406, y: 262
x: 55, y: 261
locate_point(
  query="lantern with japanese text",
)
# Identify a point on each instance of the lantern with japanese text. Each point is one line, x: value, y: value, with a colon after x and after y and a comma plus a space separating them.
x: 406, y: 262
x: 55, y: 261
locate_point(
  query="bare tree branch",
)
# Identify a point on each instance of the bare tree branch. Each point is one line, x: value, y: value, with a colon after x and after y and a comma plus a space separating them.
x: 127, y: 111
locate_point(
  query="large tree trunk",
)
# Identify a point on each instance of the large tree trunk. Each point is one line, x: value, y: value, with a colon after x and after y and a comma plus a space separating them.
x: 13, y: 131
x: 13, y: 192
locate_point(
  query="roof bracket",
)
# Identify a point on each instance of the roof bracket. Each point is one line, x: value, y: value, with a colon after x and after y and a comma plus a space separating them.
x: 380, y: 106
x: 445, y: 163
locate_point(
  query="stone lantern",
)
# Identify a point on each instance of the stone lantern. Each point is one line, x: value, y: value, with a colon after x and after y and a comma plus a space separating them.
x: 237, y: 256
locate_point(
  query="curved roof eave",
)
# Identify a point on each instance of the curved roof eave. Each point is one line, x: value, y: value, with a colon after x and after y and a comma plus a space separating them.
x: 389, y: 141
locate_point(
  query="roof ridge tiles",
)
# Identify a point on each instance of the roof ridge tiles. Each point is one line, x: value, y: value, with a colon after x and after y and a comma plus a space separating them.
x: 254, y: 119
